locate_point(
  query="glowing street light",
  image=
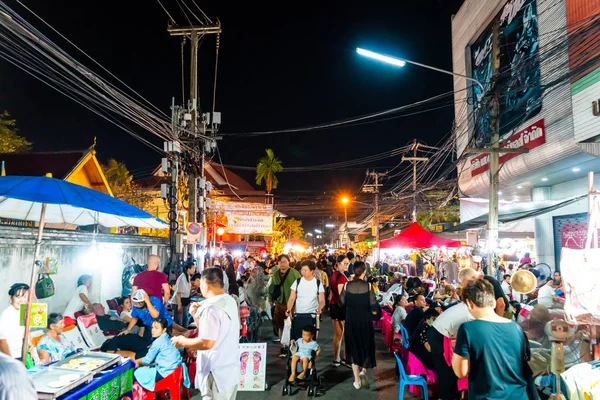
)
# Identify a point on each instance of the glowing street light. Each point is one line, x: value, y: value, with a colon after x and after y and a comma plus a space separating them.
x: 345, y: 202
x: 401, y: 62
x: 318, y: 231
x: 380, y: 57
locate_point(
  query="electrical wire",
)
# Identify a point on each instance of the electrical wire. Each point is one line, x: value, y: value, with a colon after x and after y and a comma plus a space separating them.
x: 225, y: 174
x: 166, y: 12
x: 341, y: 164
x: 345, y: 121
x: 156, y: 109
x: 27, y: 48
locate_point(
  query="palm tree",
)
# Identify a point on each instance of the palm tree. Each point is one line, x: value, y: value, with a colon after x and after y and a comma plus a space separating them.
x: 266, y: 169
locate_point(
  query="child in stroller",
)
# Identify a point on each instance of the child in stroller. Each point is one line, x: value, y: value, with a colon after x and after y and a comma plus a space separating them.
x: 303, y: 351
x: 306, y: 345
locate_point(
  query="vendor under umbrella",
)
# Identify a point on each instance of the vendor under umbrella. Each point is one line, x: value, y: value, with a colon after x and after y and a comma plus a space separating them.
x: 54, y: 346
x: 11, y: 331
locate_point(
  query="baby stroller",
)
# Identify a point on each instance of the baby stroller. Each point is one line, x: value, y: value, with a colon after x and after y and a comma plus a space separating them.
x: 312, y: 382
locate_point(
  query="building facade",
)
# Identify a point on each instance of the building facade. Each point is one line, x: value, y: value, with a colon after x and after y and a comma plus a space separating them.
x: 549, y: 72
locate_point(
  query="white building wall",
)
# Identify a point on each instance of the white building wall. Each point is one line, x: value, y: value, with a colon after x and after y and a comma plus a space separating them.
x: 72, y: 250
x: 470, y: 21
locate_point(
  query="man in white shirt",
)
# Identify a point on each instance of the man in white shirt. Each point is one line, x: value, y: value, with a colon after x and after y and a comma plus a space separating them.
x: 506, y: 288
x: 547, y: 295
x: 218, y: 322
x: 307, y: 295
x: 446, y: 326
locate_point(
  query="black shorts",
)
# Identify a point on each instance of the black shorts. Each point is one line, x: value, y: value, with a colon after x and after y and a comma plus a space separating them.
x: 337, y: 313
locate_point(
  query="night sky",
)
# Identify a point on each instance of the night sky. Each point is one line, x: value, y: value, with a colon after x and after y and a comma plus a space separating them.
x: 279, y: 67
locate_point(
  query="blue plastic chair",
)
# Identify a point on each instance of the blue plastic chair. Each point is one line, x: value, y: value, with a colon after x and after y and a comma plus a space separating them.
x: 404, y: 334
x: 409, y: 380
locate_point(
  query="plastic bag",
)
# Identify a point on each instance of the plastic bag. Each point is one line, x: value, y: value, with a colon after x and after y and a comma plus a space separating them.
x: 287, y: 328
x: 580, y: 269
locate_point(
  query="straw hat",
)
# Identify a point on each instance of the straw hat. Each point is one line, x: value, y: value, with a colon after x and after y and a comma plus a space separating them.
x: 523, y: 282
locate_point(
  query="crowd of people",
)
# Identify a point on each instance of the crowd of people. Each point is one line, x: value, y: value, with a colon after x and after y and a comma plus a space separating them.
x: 464, y: 331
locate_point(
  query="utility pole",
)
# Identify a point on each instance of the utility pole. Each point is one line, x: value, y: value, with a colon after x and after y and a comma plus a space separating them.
x: 169, y: 191
x: 494, y: 152
x: 374, y: 188
x: 494, y: 156
x: 197, y: 205
x: 414, y: 159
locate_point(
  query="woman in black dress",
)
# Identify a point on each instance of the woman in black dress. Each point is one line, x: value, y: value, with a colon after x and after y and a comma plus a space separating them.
x: 357, y: 297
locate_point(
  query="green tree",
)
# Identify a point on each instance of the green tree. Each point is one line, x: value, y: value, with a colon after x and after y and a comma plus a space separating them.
x: 123, y: 187
x: 436, y: 209
x: 266, y: 169
x: 10, y: 141
x: 289, y: 228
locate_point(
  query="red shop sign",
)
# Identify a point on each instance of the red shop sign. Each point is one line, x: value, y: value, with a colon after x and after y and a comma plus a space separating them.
x: 529, y: 138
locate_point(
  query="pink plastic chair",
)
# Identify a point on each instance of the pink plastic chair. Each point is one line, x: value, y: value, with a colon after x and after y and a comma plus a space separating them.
x: 414, y: 366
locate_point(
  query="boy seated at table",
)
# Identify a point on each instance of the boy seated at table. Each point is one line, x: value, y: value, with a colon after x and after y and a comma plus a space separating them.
x: 162, y: 357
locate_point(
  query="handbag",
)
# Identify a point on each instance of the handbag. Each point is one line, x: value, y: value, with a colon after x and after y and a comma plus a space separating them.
x: 44, y: 287
x: 375, y: 307
x: 275, y: 289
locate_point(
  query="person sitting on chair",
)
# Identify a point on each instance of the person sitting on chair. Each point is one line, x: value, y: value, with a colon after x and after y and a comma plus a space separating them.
x: 306, y: 345
x: 162, y: 358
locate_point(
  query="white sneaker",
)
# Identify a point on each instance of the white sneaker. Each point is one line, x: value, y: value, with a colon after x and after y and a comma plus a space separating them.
x: 356, y: 385
x: 364, y: 381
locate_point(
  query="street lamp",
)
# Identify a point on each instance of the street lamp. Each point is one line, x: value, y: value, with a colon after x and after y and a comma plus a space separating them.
x: 401, y: 62
x: 345, y: 202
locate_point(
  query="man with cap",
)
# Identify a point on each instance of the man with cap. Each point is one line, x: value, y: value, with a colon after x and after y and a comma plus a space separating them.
x: 145, y: 310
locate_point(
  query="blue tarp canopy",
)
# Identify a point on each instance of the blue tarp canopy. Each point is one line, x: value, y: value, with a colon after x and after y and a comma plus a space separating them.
x: 21, y: 198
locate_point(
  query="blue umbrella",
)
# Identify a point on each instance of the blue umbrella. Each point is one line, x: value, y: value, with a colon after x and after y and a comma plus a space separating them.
x: 48, y: 200
x: 22, y: 197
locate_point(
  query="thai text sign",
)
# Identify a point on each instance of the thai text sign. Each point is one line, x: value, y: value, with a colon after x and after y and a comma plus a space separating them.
x: 529, y: 138
x: 38, y: 317
x: 246, y: 218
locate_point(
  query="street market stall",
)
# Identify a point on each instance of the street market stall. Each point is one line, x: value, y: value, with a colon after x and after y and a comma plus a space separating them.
x: 416, y: 238
x: 47, y: 200
x: 85, y: 376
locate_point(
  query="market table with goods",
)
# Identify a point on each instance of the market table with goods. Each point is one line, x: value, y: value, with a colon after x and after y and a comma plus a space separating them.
x: 85, y: 376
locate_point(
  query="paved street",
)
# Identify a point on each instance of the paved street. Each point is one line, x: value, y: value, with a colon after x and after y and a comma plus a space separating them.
x: 337, y: 382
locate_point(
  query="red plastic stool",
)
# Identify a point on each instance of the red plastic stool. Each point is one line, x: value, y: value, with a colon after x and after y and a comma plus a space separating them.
x: 172, y: 383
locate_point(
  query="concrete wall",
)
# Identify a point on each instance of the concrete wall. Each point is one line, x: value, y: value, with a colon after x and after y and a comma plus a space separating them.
x: 76, y: 256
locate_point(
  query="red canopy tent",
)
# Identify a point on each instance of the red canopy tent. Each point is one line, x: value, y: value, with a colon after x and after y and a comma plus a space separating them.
x: 296, y: 242
x: 415, y: 237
